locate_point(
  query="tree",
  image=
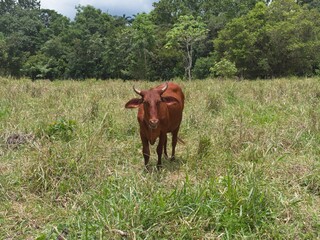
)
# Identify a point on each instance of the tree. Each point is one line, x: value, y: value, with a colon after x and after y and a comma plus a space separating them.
x: 21, y: 27
x: 243, y: 42
x: 3, y: 55
x: 53, y: 24
x: 7, y: 6
x: 294, y: 38
x: 311, y: 4
x: 270, y: 41
x: 224, y: 68
x: 166, y: 64
x: 10, y: 6
x: 185, y: 34
x: 87, y: 38
x: 116, y: 57
x: 202, y: 67
x: 29, y: 4
x: 167, y: 12
x: 143, y: 43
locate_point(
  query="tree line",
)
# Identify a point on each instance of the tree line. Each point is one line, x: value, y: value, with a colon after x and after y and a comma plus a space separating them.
x: 177, y: 39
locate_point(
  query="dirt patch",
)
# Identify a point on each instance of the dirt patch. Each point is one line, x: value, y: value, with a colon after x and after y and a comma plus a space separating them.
x: 14, y: 140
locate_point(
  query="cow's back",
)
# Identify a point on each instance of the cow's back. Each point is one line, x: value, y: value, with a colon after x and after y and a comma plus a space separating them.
x: 174, y: 110
x: 175, y: 91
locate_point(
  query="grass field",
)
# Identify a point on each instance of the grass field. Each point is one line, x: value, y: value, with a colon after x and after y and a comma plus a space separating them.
x: 71, y: 165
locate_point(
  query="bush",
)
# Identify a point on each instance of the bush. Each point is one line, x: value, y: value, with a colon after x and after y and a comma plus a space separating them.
x: 42, y: 67
x: 61, y: 129
x: 202, y: 66
x: 224, y: 68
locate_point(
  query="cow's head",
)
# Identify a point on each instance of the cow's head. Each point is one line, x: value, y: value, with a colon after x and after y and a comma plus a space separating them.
x: 151, y: 100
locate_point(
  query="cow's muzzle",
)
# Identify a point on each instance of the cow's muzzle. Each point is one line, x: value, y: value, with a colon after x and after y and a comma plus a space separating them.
x: 153, y: 123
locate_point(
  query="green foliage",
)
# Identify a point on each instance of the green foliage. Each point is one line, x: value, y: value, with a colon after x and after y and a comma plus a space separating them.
x: 116, y: 58
x: 61, y: 129
x: 243, y: 42
x: 88, y: 37
x: 184, y: 34
x: 141, y: 51
x: 317, y: 70
x: 202, y: 66
x: 39, y: 67
x: 299, y: 39
x: 167, y: 12
x: 264, y: 39
x: 224, y: 68
x: 167, y: 64
x: 311, y: 4
x: 3, y: 55
x: 186, y: 31
x: 277, y: 40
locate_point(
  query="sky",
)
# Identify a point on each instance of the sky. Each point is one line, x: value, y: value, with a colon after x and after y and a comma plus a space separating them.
x: 113, y: 7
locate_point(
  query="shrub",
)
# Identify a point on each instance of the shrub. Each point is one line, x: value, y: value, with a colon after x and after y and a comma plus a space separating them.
x: 224, y: 68
x: 61, y: 129
x: 202, y: 66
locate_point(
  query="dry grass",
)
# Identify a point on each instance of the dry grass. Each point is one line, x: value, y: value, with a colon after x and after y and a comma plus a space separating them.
x: 249, y: 168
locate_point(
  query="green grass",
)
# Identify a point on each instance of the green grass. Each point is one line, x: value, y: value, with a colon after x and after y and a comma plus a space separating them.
x: 249, y: 168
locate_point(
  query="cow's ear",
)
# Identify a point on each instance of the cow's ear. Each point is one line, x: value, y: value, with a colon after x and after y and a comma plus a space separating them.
x: 133, y: 103
x: 170, y: 100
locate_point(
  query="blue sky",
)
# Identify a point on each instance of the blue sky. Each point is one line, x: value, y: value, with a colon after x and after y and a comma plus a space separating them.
x: 113, y: 7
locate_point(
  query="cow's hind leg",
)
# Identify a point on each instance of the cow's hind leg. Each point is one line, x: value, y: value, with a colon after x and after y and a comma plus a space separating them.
x: 165, y: 147
x: 174, y: 142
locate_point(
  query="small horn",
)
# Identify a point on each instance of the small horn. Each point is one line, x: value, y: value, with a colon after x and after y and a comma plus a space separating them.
x: 164, y: 88
x: 137, y: 91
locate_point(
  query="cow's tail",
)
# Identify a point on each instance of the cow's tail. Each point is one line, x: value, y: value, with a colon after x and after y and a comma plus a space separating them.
x: 181, y: 141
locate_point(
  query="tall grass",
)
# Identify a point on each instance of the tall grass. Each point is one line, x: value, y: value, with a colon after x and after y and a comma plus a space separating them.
x: 249, y: 167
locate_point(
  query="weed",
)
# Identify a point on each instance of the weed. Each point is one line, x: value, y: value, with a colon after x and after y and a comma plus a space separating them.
x: 204, y: 146
x: 94, y: 110
x: 4, y: 112
x: 62, y: 129
x: 214, y: 103
x: 312, y: 181
x: 231, y: 96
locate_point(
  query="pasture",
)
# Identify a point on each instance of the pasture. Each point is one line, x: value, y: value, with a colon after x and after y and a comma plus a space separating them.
x: 71, y: 165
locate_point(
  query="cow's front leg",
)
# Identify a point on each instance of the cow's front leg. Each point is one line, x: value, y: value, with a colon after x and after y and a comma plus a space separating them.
x: 145, y: 150
x: 162, y: 140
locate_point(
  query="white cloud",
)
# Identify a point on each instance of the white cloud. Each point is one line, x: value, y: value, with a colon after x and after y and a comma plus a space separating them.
x: 113, y: 7
x: 66, y: 8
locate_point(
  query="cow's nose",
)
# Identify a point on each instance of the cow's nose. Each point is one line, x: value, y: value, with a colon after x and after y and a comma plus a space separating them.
x: 154, y: 122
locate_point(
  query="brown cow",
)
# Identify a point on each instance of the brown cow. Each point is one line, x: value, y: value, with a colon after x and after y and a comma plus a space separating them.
x: 160, y: 112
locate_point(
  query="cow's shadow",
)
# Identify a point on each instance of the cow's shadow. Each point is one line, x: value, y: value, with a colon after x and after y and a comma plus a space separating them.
x: 172, y: 165
x: 168, y: 165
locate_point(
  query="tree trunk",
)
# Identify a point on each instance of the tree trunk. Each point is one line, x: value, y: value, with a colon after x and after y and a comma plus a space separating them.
x: 189, y: 61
